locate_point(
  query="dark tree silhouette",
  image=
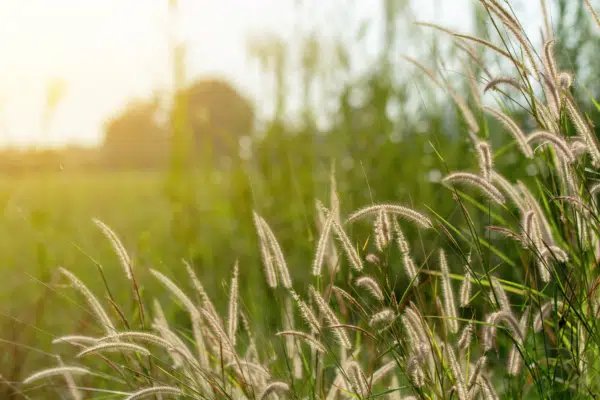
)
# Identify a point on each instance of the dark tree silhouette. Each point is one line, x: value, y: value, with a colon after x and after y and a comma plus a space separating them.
x: 218, y: 115
x: 135, y: 138
x: 215, y: 118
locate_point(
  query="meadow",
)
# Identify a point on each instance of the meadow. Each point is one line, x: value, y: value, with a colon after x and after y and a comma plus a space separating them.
x: 457, y: 262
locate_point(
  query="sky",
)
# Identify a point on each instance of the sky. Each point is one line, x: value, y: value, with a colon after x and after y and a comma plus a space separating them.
x: 108, y: 52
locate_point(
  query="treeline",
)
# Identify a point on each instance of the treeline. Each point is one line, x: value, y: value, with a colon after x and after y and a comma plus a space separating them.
x: 139, y: 136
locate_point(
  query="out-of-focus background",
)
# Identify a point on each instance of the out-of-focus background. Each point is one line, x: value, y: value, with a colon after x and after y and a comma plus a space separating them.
x: 172, y: 120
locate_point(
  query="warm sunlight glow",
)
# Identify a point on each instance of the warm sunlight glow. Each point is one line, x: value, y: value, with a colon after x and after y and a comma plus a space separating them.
x: 101, y: 54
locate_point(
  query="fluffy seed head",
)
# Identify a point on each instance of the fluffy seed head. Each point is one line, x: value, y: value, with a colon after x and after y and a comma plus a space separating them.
x: 565, y: 80
x: 384, y: 316
x: 317, y: 266
x: 371, y: 285
x: 559, y: 144
x: 465, y: 286
x: 265, y: 251
x: 500, y: 294
x: 409, y: 265
x: 92, y: 300
x: 232, y: 322
x: 449, y: 303
x: 274, y: 387
x: 50, y: 372
x: 357, y: 379
x: 118, y: 247
x: 306, y: 313
x: 382, y: 230
x: 465, y: 337
x: 311, y: 341
x: 513, y: 128
x: 277, y: 254
x: 155, y: 390
x: 401, y: 211
x: 485, y: 158
x: 351, y: 253
x: 477, y: 181
x: 331, y: 318
x: 114, y: 347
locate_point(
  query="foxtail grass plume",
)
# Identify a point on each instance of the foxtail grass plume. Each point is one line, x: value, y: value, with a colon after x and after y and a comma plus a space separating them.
x: 514, y: 357
x: 414, y: 370
x: 156, y: 391
x: 277, y: 254
x: 265, y: 251
x: 274, y: 387
x: 341, y: 292
x: 498, y: 293
x: 324, y: 241
x: 554, y: 253
x: 139, y: 336
x: 289, y: 324
x: 485, y: 158
x: 307, y: 315
x: 456, y: 369
x: 476, y: 372
x: 506, y: 17
x: 565, y: 80
x: 541, y: 220
x: 583, y: 129
x: 465, y: 286
x: 118, y: 247
x: 489, y: 331
x: 409, y: 265
x: 76, y: 339
x: 357, y: 378
x: 205, y: 300
x: 371, y: 285
x: 400, y: 211
x: 308, y: 339
x: 513, y: 128
x: 466, y: 335
x: 384, y: 316
x: 351, y: 253
x: 56, y: 371
x: 477, y: 181
x: 92, y: 300
x: 527, y: 226
x: 493, y: 83
x: 415, y: 325
x: 114, y: 347
x: 232, y: 322
x: 558, y: 143
x: 331, y: 318
x: 449, y: 302
x: 382, y: 230
x: 382, y: 372
x: 70, y: 380
x: 176, y: 291
x: 510, y: 190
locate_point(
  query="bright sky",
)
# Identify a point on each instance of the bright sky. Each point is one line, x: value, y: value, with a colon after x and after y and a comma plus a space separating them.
x: 110, y: 51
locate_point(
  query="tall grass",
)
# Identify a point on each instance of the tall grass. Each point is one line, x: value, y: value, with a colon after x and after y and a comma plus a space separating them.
x: 459, y: 329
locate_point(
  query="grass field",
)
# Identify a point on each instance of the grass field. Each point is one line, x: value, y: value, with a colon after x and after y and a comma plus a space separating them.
x: 435, y: 268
